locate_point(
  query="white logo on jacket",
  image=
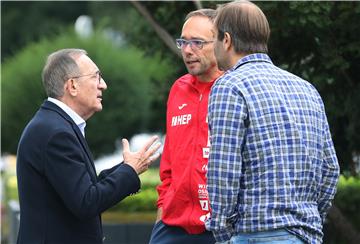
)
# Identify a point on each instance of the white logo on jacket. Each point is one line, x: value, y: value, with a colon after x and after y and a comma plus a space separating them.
x: 182, y: 106
x: 181, y: 119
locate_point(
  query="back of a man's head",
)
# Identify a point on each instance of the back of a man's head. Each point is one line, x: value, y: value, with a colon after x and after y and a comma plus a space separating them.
x: 246, y: 24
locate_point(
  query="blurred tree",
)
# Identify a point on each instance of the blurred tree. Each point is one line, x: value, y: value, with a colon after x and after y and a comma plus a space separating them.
x: 315, y: 40
x: 26, y: 21
x: 128, y: 74
x: 319, y: 42
x: 169, y: 15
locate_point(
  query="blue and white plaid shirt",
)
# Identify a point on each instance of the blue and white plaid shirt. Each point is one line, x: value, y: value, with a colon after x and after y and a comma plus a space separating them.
x: 272, y: 161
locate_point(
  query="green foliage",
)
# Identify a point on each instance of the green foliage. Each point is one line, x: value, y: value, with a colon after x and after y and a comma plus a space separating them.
x: 126, y: 103
x: 23, y: 22
x: 10, y: 192
x: 170, y: 15
x: 319, y: 42
x: 347, y: 198
x: 315, y: 40
x: 144, y: 201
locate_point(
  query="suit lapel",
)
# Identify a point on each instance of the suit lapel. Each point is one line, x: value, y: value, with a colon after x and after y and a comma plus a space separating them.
x: 85, y: 147
x: 90, y: 162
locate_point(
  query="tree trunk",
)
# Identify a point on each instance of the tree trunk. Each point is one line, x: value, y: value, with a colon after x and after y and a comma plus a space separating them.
x: 162, y: 33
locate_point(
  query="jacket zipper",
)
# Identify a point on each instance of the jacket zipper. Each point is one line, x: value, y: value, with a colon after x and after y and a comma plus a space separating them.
x: 195, y: 158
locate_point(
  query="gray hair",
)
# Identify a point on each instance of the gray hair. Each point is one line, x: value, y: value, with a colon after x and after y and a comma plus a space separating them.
x: 59, y: 67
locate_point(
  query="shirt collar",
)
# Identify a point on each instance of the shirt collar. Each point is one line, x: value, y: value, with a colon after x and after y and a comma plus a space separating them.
x: 80, y: 122
x: 255, y: 57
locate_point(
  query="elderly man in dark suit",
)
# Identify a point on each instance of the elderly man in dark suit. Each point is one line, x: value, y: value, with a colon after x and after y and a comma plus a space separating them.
x: 61, y: 197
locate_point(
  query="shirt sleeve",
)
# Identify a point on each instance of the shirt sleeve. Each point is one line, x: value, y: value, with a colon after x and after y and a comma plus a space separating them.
x: 227, y: 116
x: 330, y: 173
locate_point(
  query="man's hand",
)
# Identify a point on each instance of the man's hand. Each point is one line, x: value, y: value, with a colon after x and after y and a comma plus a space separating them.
x: 141, y: 159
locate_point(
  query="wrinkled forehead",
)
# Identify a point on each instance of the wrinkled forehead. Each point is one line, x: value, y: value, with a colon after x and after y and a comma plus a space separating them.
x: 85, y: 63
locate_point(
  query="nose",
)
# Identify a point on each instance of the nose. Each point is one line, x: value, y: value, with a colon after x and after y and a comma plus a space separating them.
x: 102, y: 84
x: 186, y: 48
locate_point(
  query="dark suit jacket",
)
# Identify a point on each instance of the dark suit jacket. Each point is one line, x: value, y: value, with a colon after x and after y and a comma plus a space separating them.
x: 61, y: 197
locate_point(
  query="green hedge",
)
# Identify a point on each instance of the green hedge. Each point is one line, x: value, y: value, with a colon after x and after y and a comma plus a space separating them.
x: 347, y: 198
x: 144, y: 201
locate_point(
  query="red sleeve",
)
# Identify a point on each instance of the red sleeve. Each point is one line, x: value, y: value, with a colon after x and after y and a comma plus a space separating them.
x: 165, y: 173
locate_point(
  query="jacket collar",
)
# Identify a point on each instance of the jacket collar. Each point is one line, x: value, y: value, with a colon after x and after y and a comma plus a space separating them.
x: 53, y: 107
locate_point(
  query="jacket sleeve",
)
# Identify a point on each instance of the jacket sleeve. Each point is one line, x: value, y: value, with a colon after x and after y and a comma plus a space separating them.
x: 165, y: 173
x: 66, y: 168
x: 103, y: 174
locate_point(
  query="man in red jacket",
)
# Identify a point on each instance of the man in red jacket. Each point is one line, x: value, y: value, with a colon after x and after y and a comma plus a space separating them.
x: 183, y: 203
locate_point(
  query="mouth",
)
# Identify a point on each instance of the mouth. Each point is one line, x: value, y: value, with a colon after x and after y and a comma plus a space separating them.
x: 99, y: 97
x: 190, y: 62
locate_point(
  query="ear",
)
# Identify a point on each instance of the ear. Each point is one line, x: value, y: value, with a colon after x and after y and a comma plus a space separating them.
x: 227, y: 41
x: 71, y: 87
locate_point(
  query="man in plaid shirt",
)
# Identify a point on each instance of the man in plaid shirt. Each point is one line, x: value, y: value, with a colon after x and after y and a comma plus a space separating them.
x: 273, y: 170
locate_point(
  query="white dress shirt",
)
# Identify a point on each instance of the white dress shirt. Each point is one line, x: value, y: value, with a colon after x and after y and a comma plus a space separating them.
x: 80, y: 122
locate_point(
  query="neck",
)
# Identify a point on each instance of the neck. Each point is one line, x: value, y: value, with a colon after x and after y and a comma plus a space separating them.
x: 74, y: 106
x: 210, y: 76
x: 234, y: 59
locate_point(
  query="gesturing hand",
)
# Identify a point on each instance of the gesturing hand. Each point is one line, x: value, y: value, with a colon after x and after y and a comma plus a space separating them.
x: 141, y: 159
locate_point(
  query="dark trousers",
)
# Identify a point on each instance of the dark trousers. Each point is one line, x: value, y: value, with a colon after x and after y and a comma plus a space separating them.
x: 165, y: 234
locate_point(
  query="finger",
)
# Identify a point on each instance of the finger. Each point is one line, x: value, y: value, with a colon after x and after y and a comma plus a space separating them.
x: 154, y: 157
x: 152, y: 150
x: 126, y: 146
x: 149, y: 143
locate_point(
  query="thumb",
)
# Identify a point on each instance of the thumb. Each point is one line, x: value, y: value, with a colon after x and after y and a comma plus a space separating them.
x: 126, y: 146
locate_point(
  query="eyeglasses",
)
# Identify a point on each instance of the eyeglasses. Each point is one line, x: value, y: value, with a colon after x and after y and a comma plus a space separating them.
x: 97, y: 74
x: 194, y: 43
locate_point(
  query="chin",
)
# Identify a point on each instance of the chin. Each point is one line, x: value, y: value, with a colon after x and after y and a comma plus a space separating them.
x: 195, y: 72
x: 98, y: 108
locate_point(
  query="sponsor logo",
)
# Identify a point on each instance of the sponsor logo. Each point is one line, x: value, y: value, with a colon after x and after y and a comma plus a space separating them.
x: 206, y: 152
x: 204, y: 205
x: 202, y: 191
x: 205, y: 217
x: 180, y: 119
x: 182, y: 106
x: 204, y: 168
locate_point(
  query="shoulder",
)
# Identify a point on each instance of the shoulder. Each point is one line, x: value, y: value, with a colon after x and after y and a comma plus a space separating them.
x: 47, y: 122
x: 182, y: 83
x: 184, y: 80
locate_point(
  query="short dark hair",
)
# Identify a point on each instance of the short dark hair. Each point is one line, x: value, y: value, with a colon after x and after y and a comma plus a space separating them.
x: 246, y: 24
x: 206, y: 12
